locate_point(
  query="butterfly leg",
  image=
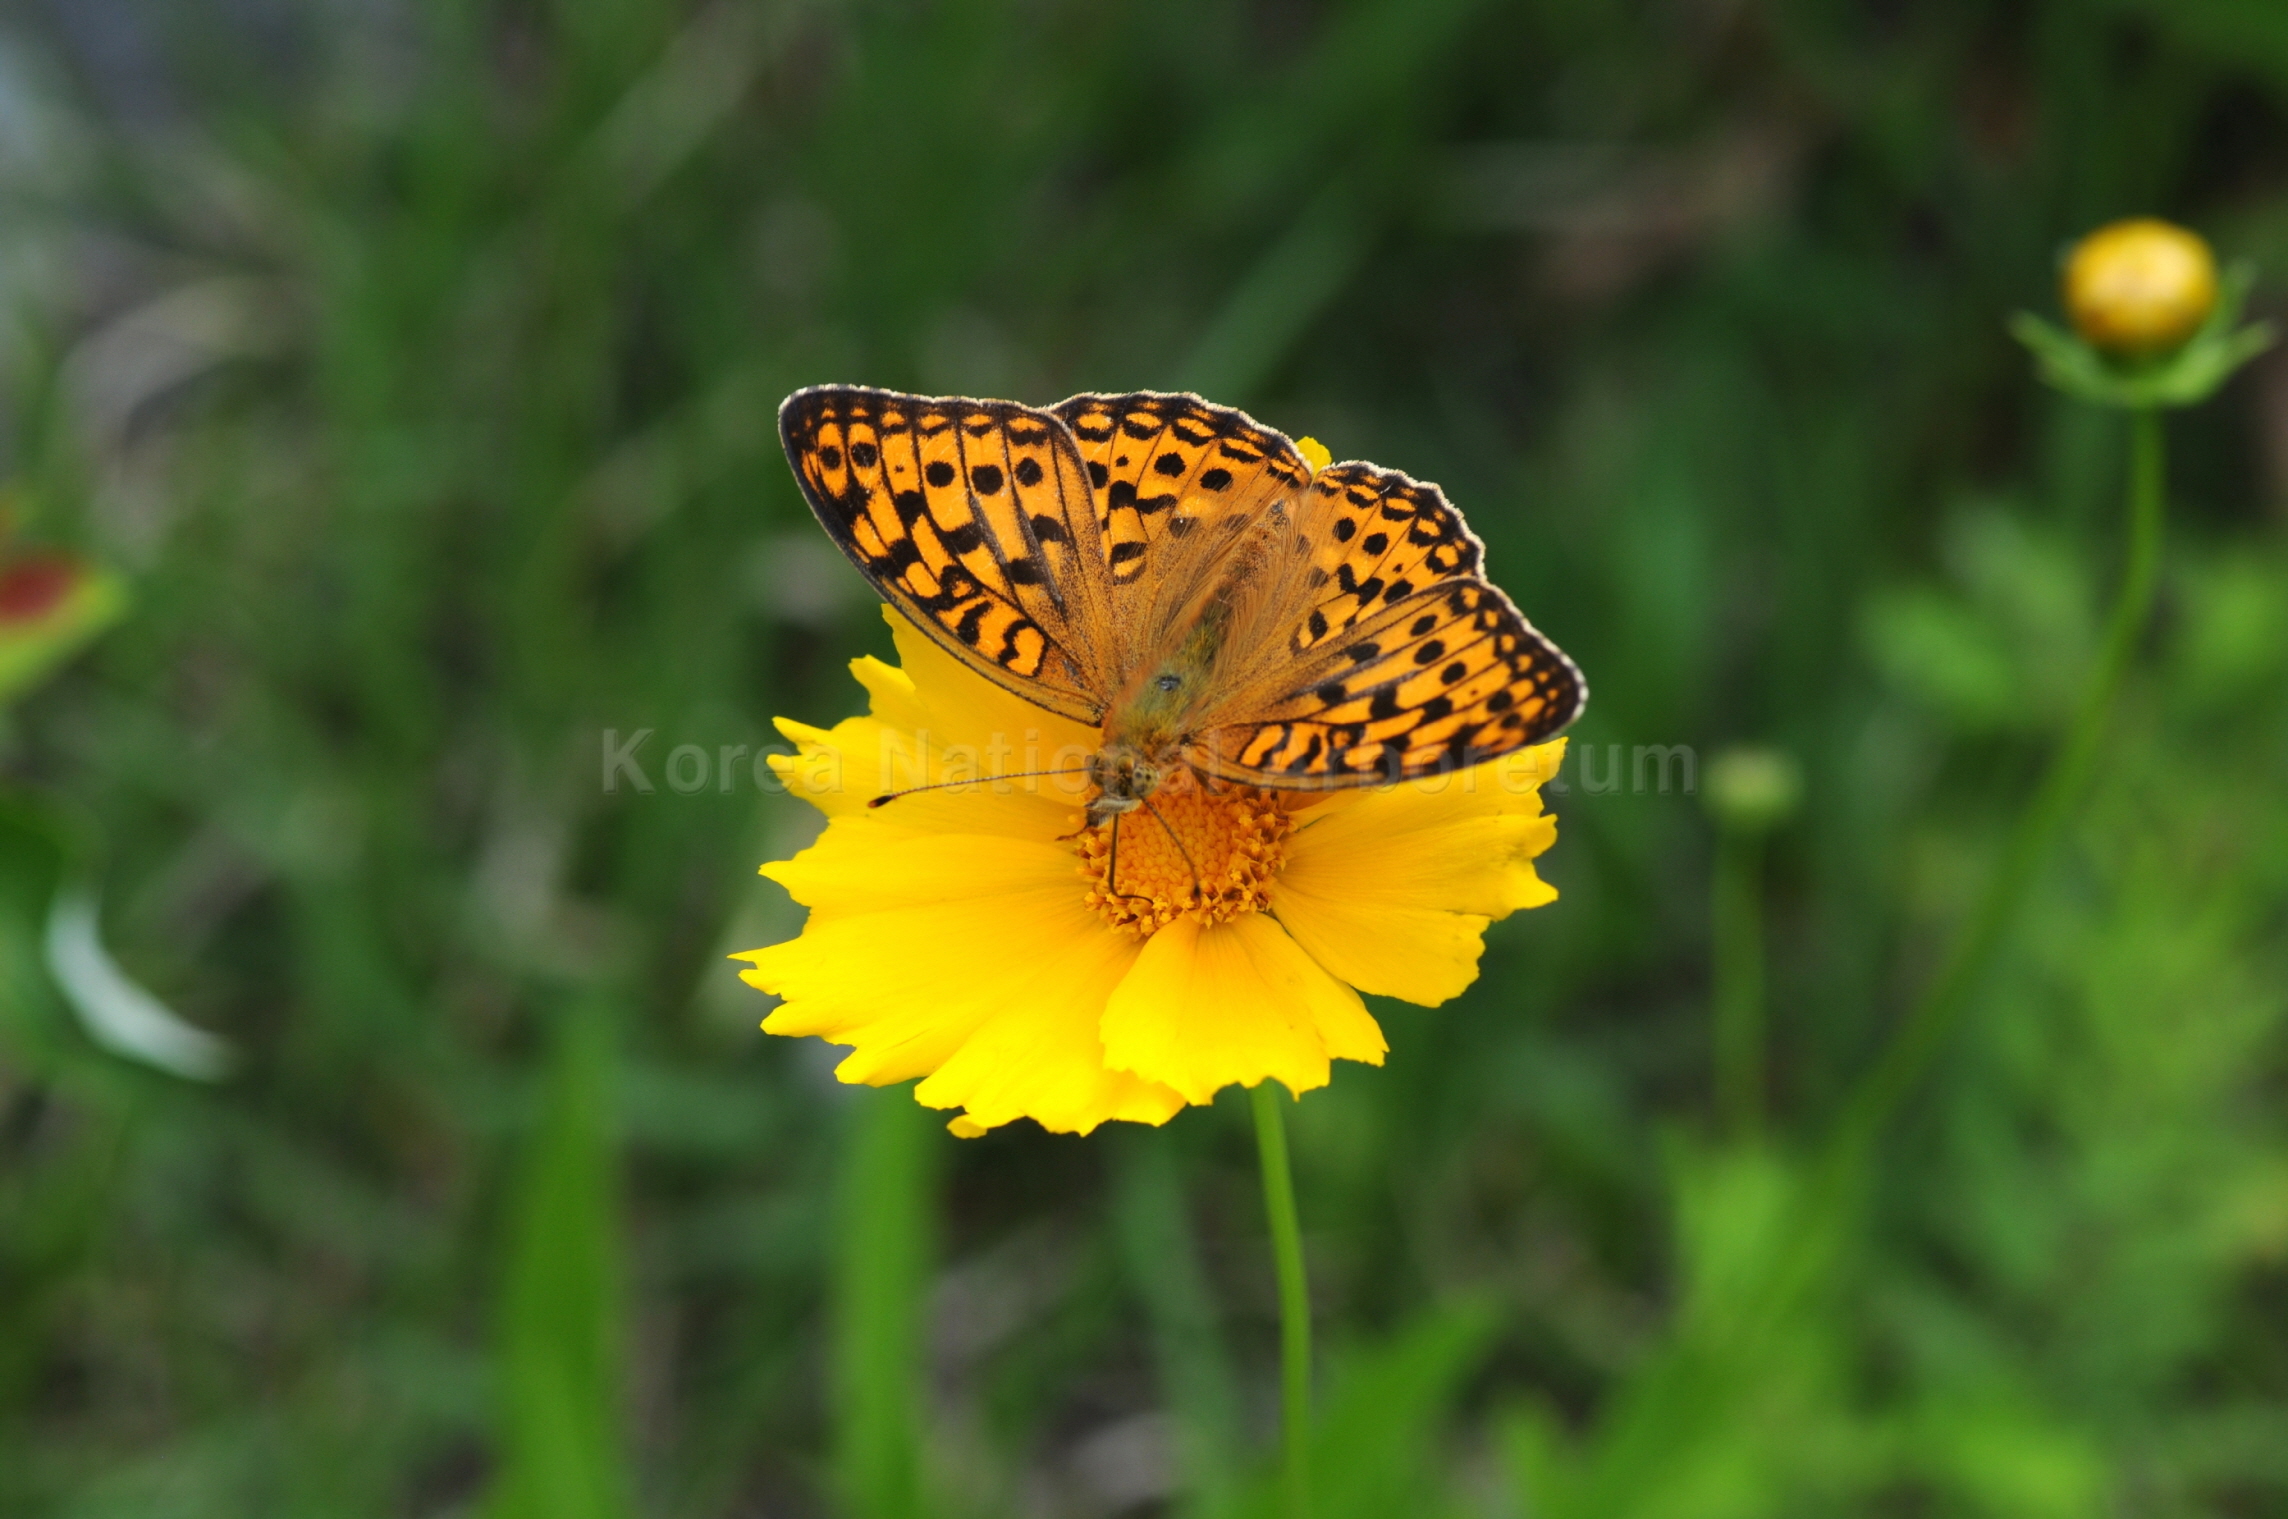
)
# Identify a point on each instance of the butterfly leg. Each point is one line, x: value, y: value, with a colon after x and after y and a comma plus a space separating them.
x: 1175, y: 839
x: 1112, y: 867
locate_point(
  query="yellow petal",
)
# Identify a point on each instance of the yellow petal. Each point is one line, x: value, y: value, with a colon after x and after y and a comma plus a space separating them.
x: 995, y: 997
x: 961, y: 707
x: 841, y: 770
x: 932, y: 722
x: 1238, y: 1002
x: 818, y: 770
x: 905, y: 987
x: 891, y: 695
x: 902, y: 988
x: 1392, y: 889
x: 1039, y: 1056
x: 1411, y: 953
x: 856, y: 869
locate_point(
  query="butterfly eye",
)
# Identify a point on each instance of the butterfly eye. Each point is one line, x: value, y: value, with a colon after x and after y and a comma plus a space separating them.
x: 1168, y: 682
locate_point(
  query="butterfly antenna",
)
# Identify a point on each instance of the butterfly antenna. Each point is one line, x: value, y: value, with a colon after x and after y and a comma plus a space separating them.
x: 1177, y: 840
x: 975, y: 780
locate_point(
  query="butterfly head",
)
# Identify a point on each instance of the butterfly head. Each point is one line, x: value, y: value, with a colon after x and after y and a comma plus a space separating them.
x: 1123, y: 778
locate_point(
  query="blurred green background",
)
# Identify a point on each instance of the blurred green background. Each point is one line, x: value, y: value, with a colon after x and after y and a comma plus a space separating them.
x: 414, y: 362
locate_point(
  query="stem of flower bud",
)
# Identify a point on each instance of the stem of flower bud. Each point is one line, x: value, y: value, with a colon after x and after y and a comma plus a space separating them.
x: 1924, y: 1032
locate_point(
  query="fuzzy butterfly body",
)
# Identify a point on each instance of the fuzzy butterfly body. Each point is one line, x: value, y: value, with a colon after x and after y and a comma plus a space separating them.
x: 1178, y: 576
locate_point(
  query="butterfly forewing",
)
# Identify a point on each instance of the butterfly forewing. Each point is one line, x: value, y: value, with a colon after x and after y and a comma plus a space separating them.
x: 975, y: 519
x: 1161, y: 463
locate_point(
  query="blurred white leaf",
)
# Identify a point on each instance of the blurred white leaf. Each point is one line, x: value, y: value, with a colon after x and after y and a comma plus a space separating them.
x: 118, y: 1014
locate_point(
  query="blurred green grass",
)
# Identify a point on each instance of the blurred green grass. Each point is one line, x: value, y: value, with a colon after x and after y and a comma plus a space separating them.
x: 416, y: 363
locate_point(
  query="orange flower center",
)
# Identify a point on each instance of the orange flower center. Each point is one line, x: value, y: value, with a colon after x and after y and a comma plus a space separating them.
x: 1208, y: 855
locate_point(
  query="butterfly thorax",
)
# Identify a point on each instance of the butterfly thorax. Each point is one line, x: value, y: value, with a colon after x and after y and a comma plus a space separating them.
x: 1148, y: 726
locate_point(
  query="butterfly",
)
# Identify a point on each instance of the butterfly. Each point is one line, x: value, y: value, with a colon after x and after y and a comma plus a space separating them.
x: 1176, y: 575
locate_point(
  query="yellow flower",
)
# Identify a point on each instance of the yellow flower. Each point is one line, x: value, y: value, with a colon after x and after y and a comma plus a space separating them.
x: 977, y: 937
x: 2140, y: 286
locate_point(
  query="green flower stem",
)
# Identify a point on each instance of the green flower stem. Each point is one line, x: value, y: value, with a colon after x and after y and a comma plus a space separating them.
x: 883, y: 1248
x: 1925, y: 1030
x: 1737, y: 935
x: 1294, y: 1297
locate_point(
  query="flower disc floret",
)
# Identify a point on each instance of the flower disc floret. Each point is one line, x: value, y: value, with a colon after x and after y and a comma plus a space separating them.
x: 1193, y: 853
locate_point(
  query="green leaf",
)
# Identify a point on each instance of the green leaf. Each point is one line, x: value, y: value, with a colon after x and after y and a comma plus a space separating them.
x: 1944, y: 655
x: 2185, y: 377
x: 1377, y: 1447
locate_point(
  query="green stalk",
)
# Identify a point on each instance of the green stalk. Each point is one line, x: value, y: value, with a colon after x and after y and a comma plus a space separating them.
x: 1737, y: 933
x: 1926, y: 1028
x: 1294, y: 1297
x: 884, y: 1242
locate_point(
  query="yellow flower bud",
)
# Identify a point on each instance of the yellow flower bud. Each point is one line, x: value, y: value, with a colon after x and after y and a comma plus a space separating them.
x: 2141, y: 286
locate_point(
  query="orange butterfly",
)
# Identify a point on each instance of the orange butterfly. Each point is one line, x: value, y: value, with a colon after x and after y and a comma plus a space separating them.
x: 1177, y: 575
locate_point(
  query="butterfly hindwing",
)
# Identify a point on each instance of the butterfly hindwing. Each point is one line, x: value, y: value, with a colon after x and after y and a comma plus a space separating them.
x: 1406, y: 662
x: 1450, y: 677
x: 974, y: 518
